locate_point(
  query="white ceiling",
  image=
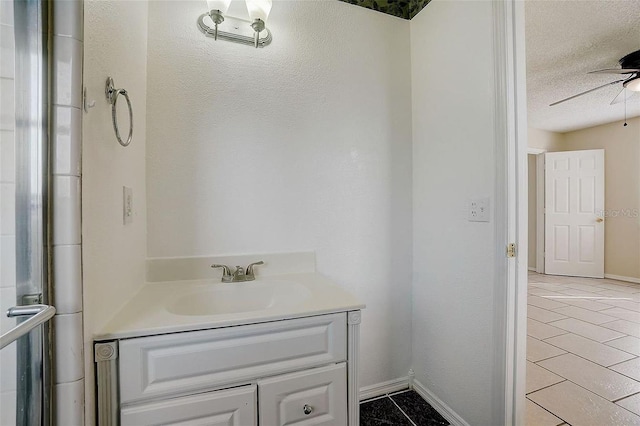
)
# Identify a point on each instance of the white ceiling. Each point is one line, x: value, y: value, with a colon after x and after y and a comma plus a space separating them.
x: 567, y: 39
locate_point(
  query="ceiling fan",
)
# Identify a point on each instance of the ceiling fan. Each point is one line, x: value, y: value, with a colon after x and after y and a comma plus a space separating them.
x: 630, y: 67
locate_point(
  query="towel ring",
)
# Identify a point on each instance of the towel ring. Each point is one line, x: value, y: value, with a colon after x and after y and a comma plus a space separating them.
x: 112, y: 96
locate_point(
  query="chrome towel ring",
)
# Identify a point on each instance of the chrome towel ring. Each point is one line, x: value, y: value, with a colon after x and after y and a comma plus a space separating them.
x: 112, y: 96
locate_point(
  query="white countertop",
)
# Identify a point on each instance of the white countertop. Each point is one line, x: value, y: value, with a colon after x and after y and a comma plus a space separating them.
x: 147, y: 314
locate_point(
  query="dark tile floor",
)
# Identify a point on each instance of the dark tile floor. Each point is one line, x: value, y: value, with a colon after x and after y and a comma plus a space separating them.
x: 405, y: 408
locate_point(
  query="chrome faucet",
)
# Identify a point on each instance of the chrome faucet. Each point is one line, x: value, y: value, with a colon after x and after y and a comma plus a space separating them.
x: 240, y: 274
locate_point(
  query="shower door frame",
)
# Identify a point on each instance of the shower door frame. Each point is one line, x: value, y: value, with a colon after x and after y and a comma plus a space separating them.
x: 34, y: 373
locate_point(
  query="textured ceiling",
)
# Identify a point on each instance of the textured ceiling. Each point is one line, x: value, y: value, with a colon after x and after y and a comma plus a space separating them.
x: 406, y: 9
x: 567, y: 39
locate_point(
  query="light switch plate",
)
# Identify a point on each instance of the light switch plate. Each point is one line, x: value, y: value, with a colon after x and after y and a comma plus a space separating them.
x: 479, y: 210
x: 127, y: 205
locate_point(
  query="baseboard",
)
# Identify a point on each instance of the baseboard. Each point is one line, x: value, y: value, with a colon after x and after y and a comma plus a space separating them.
x: 439, y: 406
x: 532, y: 268
x: 621, y: 278
x: 367, y: 392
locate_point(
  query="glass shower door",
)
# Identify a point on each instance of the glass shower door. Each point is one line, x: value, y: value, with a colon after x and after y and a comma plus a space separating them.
x: 25, y: 360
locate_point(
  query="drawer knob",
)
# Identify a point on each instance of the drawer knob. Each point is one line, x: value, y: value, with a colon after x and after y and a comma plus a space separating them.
x: 307, y: 409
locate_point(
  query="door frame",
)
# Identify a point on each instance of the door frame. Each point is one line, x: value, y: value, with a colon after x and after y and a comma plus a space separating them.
x: 540, y: 243
x: 511, y: 209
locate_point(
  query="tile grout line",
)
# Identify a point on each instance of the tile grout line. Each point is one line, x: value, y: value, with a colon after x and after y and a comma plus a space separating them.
x: 622, y: 362
x: 398, y: 392
x: 625, y: 397
x: 584, y: 388
x: 375, y: 398
x: 579, y: 356
x: 548, y: 386
x: 588, y: 338
x: 386, y: 395
x: 553, y: 414
x: 402, y: 411
x: 571, y: 381
x: 567, y: 351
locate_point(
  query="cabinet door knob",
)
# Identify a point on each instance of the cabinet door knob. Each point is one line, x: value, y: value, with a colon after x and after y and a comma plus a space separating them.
x: 307, y: 409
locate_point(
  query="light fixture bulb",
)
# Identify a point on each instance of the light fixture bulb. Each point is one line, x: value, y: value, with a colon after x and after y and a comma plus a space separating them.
x: 259, y: 9
x: 220, y: 5
x: 633, y: 84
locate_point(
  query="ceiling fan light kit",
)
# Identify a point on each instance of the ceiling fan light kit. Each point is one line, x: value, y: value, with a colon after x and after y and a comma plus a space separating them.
x: 629, y: 68
x: 632, y: 84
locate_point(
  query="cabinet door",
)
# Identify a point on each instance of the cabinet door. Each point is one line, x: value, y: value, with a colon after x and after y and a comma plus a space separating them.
x: 311, y: 397
x: 231, y: 407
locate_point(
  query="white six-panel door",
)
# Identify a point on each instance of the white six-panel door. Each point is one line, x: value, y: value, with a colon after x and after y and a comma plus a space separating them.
x: 574, y: 208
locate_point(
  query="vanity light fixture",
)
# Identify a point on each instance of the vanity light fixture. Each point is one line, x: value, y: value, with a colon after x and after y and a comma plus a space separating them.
x: 253, y: 32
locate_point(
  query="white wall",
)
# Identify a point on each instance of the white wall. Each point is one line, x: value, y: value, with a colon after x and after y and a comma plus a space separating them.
x: 454, y: 336
x: 302, y: 145
x: 113, y: 254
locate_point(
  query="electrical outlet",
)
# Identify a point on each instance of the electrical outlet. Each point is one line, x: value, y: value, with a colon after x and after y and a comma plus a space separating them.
x: 479, y: 210
x: 127, y: 205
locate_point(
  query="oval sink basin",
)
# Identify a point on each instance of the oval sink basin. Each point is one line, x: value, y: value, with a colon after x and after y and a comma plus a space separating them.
x: 230, y: 298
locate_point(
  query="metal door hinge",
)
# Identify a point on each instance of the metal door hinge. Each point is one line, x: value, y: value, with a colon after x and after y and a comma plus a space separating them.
x: 511, y: 250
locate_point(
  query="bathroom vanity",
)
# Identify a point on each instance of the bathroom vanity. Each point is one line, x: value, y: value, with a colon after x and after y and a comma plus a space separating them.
x: 290, y: 357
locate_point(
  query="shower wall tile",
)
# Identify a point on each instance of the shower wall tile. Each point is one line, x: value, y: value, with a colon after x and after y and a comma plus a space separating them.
x: 67, y: 24
x: 67, y: 278
x: 67, y: 18
x: 7, y: 208
x: 69, y: 352
x: 7, y: 399
x: 7, y: 156
x: 7, y: 104
x: 7, y: 261
x: 7, y: 211
x: 66, y: 210
x: 67, y: 71
x: 67, y: 137
x: 6, y: 14
x: 7, y: 48
x: 8, y: 368
x: 70, y: 403
x: 7, y: 300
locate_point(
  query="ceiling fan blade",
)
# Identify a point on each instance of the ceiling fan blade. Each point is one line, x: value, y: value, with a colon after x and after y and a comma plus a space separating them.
x: 588, y: 91
x: 624, y: 93
x: 615, y: 71
x: 619, y: 97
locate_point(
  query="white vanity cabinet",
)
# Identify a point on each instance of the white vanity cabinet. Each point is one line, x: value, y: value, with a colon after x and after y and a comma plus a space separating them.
x: 297, y: 371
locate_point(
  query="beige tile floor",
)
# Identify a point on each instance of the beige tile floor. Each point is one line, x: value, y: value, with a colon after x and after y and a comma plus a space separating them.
x: 583, y: 352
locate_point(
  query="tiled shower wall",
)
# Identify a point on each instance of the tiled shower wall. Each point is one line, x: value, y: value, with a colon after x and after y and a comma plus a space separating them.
x: 7, y: 212
x: 66, y: 137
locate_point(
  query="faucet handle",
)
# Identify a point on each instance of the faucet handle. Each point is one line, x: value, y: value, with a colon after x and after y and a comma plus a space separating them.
x: 250, y: 268
x: 226, y: 272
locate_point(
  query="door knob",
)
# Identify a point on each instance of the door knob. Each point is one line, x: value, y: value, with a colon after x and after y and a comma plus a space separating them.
x: 599, y: 220
x: 307, y: 409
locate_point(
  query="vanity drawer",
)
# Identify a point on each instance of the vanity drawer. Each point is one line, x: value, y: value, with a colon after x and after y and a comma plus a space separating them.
x: 217, y: 408
x: 312, y: 397
x: 180, y: 363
